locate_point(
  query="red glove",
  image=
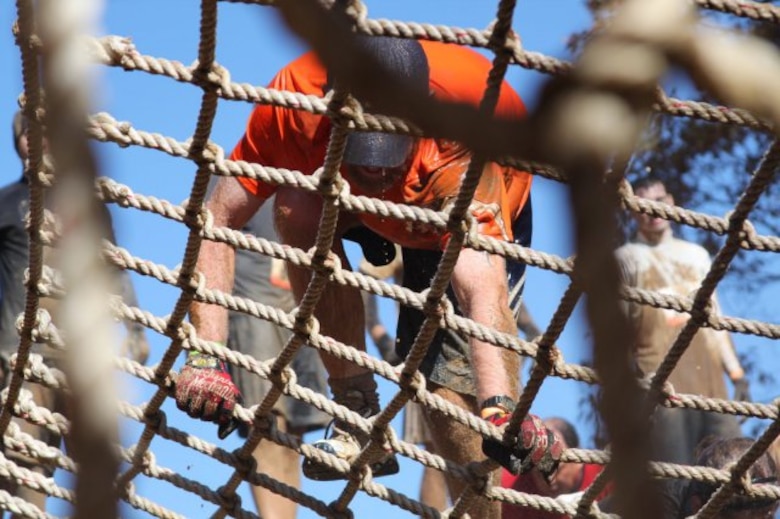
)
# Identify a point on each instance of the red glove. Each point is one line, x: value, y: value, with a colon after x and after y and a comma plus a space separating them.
x: 205, y: 390
x: 536, y: 446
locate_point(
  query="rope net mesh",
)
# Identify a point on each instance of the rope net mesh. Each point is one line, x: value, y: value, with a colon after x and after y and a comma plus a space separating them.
x: 560, y: 146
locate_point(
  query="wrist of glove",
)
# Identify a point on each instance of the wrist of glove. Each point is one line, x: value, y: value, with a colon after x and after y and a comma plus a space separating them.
x: 205, y: 390
x: 742, y: 390
x: 535, y: 446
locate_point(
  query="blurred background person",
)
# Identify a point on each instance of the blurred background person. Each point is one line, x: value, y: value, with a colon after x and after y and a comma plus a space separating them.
x: 14, y: 260
x: 655, y: 260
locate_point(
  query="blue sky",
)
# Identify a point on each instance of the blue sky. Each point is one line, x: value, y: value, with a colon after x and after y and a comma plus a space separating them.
x: 253, y: 43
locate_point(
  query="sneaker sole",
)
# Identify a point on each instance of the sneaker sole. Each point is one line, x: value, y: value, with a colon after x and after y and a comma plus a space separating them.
x: 319, y: 472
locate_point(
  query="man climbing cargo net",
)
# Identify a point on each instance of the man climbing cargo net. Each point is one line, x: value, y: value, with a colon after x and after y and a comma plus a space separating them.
x: 582, y: 133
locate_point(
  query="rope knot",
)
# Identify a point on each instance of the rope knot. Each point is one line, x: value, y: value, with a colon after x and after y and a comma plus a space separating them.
x: 741, y: 481
x: 465, y: 226
x: 120, y: 50
x: 220, y: 76
x: 327, y: 264
x: 50, y: 227
x: 34, y: 366
x: 386, y: 437
x: 156, y: 420
x: 148, y: 459
x: 351, y: 110
x: 264, y: 425
x: 229, y: 501
x: 197, y: 281
x: 283, y: 378
x: 245, y: 464
x: 187, y: 334
x: 667, y: 391
x: 216, y: 76
x: 201, y: 219
x: 436, y: 307
x: 214, y: 153
x: 748, y: 231
x: 24, y: 404
x: 109, y: 190
x: 555, y: 358
x: 336, y: 189
x: 418, y: 384
x: 338, y: 513
x: 308, y: 327
x: 43, y: 177
x: 511, y: 42
x: 125, y: 129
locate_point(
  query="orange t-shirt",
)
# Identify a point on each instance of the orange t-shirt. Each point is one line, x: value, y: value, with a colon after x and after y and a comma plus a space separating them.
x: 297, y: 140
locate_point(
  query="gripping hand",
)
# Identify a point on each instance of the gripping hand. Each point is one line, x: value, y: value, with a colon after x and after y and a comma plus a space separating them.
x: 205, y: 390
x: 536, y: 446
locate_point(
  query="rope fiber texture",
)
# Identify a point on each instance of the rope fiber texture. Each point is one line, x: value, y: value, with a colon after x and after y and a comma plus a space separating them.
x: 555, y: 143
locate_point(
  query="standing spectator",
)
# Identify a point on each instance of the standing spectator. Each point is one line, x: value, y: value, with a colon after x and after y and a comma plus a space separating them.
x: 570, y: 480
x: 14, y: 259
x: 656, y: 260
x: 686, y: 497
x: 264, y: 279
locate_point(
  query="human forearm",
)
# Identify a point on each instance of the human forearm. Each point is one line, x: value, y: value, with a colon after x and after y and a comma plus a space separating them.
x: 489, y: 361
x: 217, y: 264
x: 479, y: 281
x: 231, y: 206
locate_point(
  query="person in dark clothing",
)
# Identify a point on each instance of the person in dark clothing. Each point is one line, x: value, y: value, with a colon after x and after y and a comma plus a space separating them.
x: 14, y: 259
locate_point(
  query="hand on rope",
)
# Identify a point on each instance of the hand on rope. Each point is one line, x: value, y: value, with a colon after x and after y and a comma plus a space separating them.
x: 205, y: 390
x: 535, y: 446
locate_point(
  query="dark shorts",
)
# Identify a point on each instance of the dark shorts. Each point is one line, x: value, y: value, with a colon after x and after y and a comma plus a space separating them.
x: 679, y: 431
x: 447, y: 362
x: 263, y: 340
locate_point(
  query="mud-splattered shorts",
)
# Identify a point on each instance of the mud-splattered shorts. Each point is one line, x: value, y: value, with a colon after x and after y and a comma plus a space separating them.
x: 447, y: 362
x: 263, y: 340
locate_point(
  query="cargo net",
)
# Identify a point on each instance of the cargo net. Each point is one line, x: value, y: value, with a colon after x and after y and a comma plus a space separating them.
x: 614, y: 81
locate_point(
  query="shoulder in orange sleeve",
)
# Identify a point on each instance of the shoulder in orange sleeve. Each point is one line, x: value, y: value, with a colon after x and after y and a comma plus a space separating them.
x: 281, y: 137
x: 459, y: 74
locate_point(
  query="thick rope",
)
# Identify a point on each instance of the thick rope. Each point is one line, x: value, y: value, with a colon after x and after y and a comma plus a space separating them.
x: 36, y: 326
